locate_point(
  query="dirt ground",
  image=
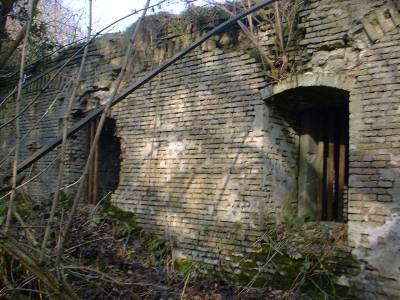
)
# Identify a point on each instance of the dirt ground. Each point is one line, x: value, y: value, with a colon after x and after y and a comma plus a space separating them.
x: 107, y: 256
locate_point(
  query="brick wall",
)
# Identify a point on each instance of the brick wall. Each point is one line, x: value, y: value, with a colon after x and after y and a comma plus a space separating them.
x: 205, y: 150
x: 354, y: 46
x: 197, y: 153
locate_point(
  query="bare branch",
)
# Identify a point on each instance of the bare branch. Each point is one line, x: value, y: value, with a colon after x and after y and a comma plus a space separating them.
x: 114, y: 92
x: 34, y: 126
x: 64, y: 139
x: 20, y: 36
x: 32, y: 4
x: 250, y: 35
x: 63, y: 65
x: 13, y: 248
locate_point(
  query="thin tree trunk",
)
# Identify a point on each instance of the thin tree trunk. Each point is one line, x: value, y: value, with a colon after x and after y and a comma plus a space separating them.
x: 107, y: 107
x: 278, y: 24
x: 250, y: 18
x: 281, y: 39
x: 17, y: 121
x: 20, y: 36
x: 5, y: 8
x: 64, y: 140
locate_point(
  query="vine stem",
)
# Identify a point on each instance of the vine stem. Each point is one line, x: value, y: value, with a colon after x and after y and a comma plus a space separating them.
x: 31, y: 8
x: 99, y: 128
x: 61, y: 164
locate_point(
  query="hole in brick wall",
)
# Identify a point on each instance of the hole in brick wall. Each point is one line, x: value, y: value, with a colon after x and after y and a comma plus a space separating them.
x: 322, y: 118
x: 104, y: 172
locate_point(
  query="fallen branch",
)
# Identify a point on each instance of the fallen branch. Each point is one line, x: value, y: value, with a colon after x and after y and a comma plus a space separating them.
x: 47, y: 277
x: 108, y: 278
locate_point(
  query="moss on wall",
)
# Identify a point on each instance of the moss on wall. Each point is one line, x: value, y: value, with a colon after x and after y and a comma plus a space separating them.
x: 289, y: 257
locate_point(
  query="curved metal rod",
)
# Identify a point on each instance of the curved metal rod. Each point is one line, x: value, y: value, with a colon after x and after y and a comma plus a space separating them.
x: 129, y: 90
x: 45, y: 72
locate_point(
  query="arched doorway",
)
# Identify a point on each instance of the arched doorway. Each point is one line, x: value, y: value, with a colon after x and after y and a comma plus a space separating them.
x: 322, y: 117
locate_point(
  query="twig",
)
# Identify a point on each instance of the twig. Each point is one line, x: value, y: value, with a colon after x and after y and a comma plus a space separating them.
x: 28, y: 233
x: 185, y: 284
x: 71, y: 184
x: 37, y: 97
x: 22, y: 35
x: 82, y: 47
x: 117, y: 84
x: 31, y: 179
x: 250, y: 283
x: 87, y: 242
x: 64, y: 140
x: 97, y: 206
x: 14, y: 249
x: 49, y: 108
x: 27, y: 290
x: 251, y: 37
x: 108, y: 278
x: 329, y: 250
x: 41, y: 59
x: 26, y: 226
x: 31, y: 9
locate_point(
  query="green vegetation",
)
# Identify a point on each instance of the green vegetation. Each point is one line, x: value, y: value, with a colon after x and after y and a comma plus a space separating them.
x: 126, y: 227
x: 27, y: 209
x: 288, y: 257
x: 194, y: 19
x: 198, y: 271
x: 297, y: 222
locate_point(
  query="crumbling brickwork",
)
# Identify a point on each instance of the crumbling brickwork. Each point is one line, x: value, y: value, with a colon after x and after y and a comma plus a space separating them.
x: 209, y: 158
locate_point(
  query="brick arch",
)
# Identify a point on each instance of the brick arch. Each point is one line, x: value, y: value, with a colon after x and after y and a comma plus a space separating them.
x: 316, y: 105
x: 309, y: 79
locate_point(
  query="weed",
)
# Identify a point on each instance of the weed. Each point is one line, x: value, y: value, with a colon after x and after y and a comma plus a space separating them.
x: 297, y: 222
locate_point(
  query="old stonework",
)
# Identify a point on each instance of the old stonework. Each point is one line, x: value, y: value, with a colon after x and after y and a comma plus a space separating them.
x: 221, y: 147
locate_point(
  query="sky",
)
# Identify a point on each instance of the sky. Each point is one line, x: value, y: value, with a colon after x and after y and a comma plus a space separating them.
x: 106, y: 11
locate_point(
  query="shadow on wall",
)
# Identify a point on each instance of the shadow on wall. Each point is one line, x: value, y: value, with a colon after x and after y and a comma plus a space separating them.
x: 209, y: 164
x: 200, y: 177
x: 205, y: 165
x: 200, y: 168
x: 373, y: 227
x: 321, y: 115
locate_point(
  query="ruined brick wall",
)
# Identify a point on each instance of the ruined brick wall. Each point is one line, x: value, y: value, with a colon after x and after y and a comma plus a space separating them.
x: 196, y: 153
x: 41, y: 122
x: 374, y: 194
x: 35, y: 136
x: 354, y: 45
x: 194, y: 165
x: 208, y: 160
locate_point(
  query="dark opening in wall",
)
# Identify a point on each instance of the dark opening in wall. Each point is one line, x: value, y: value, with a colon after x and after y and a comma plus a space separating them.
x: 104, y: 171
x: 323, y: 149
